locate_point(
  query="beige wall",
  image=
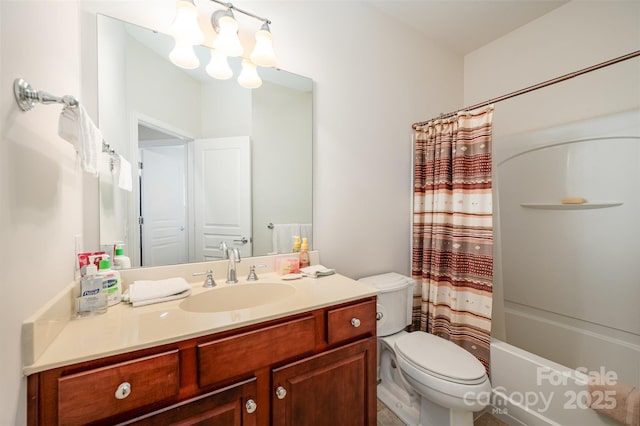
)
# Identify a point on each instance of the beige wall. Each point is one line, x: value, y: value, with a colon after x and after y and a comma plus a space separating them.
x: 369, y: 87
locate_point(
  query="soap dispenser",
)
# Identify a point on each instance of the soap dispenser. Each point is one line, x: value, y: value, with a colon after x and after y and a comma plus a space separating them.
x: 304, y: 253
x: 120, y: 261
x: 93, y: 295
x: 296, y: 244
x: 111, y: 281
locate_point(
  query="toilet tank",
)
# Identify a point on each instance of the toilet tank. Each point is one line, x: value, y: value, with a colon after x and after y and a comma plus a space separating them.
x: 395, y: 301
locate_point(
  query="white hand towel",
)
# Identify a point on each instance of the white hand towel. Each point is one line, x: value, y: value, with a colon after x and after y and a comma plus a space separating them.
x: 282, y: 237
x: 76, y: 126
x: 146, y: 292
x: 317, y: 271
x: 125, y: 181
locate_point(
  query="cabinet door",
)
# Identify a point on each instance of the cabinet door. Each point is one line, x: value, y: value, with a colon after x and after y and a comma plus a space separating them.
x: 332, y: 388
x: 234, y: 405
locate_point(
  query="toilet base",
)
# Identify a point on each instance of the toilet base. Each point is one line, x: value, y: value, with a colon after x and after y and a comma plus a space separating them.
x: 432, y: 414
x: 400, y: 404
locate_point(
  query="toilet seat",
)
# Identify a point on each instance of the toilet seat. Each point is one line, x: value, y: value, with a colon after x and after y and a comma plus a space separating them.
x: 437, y: 357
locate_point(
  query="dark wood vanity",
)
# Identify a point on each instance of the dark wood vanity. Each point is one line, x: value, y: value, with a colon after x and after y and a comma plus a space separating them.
x: 313, y: 368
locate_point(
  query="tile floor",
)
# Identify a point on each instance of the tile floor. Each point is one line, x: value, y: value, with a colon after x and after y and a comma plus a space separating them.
x: 387, y: 418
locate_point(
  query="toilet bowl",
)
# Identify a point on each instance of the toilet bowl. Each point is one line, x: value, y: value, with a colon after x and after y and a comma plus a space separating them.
x: 424, y: 379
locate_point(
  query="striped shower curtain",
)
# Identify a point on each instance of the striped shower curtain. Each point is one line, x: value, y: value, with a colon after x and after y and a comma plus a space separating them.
x: 452, y: 258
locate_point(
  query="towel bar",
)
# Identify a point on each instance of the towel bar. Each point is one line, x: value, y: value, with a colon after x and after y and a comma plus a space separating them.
x: 26, y: 96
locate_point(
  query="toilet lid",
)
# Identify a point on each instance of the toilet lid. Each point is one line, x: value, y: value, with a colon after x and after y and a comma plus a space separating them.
x: 440, y: 358
x: 388, y: 282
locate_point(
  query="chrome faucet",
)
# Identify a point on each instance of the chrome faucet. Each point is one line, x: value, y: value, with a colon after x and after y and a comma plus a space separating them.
x: 233, y: 254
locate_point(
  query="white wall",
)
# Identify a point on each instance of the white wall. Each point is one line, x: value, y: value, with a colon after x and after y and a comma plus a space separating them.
x: 40, y: 181
x: 369, y: 87
x: 281, y: 158
x: 572, y: 37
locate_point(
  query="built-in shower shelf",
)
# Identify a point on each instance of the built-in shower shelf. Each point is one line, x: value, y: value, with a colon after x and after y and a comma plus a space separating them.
x: 560, y: 206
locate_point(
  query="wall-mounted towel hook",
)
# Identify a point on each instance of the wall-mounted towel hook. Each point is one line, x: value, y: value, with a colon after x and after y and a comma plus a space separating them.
x: 26, y: 96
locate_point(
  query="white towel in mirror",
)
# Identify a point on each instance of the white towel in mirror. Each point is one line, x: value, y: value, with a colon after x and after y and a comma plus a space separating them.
x: 306, y: 231
x: 282, y: 237
x: 125, y: 180
x: 76, y: 126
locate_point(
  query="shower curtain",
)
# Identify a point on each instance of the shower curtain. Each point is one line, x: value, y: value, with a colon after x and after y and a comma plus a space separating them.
x: 452, y: 257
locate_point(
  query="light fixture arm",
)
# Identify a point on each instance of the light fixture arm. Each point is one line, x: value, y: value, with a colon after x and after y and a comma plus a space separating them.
x: 232, y: 7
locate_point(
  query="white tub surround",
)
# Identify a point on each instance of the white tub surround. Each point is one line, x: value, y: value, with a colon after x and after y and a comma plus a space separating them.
x: 124, y: 328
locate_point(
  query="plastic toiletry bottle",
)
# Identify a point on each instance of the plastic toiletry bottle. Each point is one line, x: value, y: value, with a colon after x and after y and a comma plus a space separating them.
x: 304, y: 253
x: 296, y: 244
x: 111, y: 280
x: 93, y: 295
x: 120, y: 261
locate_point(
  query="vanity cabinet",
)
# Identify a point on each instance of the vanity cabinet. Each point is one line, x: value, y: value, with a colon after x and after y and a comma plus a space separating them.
x: 327, y: 389
x: 316, y: 367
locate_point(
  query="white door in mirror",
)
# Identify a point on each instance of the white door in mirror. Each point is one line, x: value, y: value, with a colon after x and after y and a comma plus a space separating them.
x: 222, y: 188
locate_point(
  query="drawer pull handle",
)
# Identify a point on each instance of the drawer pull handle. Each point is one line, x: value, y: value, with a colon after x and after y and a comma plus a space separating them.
x: 355, y: 322
x: 251, y: 406
x: 281, y: 392
x: 123, y: 391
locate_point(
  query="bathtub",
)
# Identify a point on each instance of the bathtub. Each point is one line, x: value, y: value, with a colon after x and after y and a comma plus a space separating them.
x: 533, y: 391
x: 565, y: 291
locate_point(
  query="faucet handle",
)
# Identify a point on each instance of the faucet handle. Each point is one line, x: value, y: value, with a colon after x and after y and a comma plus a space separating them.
x: 252, y: 272
x: 209, y: 281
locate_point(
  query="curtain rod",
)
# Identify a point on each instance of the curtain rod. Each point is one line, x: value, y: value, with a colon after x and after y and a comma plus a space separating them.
x: 536, y: 86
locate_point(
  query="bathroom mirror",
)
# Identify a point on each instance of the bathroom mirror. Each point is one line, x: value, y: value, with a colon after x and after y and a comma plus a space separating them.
x: 219, y: 162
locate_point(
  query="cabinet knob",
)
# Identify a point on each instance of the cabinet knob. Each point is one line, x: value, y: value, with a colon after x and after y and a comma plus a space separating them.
x: 379, y: 316
x: 123, y: 390
x: 281, y: 392
x: 355, y: 322
x: 251, y: 406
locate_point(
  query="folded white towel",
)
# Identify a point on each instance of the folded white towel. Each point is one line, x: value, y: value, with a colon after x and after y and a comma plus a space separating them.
x: 317, y: 271
x: 145, y: 292
x: 125, y: 181
x: 75, y: 126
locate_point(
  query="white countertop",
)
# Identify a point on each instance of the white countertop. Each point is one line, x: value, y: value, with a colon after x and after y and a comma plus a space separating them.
x: 125, y: 328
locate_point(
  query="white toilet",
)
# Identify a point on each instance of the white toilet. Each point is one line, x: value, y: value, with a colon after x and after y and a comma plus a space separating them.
x: 424, y: 379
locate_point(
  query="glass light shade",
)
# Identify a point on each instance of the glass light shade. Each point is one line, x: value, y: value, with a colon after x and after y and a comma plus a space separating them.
x: 183, y: 55
x: 219, y: 67
x: 227, y: 41
x: 263, y: 53
x: 185, y: 24
x: 249, y: 77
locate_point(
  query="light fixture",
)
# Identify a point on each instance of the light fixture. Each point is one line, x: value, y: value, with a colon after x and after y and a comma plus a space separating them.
x: 185, y: 24
x: 187, y: 33
x: 263, y: 53
x: 226, y: 26
x: 249, y: 77
x: 219, y: 66
x: 183, y: 55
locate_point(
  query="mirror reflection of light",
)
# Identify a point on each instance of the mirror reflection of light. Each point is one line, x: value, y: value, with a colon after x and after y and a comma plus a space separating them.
x: 164, y: 315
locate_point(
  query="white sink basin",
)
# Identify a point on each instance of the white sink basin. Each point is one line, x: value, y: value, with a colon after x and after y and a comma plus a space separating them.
x: 237, y: 296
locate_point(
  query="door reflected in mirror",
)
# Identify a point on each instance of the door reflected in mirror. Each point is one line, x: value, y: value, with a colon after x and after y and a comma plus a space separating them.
x: 211, y: 160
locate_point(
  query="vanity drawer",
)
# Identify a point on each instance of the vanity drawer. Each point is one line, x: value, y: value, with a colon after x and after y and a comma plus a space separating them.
x: 352, y: 321
x: 91, y: 395
x: 243, y: 353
